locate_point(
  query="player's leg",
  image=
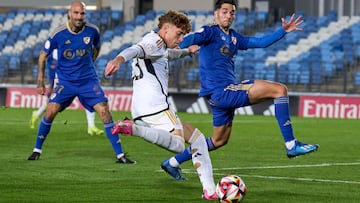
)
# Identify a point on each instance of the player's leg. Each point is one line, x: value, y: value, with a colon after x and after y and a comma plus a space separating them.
x: 92, y: 129
x: 201, y: 160
x: 220, y: 137
x: 103, y: 111
x: 44, y: 129
x: 63, y: 98
x: 263, y: 90
x: 156, y: 130
x: 92, y: 97
x: 221, y: 134
x: 222, y: 126
x: 37, y: 114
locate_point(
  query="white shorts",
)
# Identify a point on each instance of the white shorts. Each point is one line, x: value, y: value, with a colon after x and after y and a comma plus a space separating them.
x: 165, y: 120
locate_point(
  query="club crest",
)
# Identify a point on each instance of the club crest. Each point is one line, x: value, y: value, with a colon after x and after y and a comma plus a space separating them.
x: 86, y: 40
x: 233, y: 39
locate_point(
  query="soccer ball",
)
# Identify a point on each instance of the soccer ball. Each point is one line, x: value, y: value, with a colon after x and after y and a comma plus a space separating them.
x: 231, y: 189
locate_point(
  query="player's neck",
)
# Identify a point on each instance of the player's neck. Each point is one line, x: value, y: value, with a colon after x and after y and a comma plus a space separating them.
x: 74, y: 28
x: 225, y: 29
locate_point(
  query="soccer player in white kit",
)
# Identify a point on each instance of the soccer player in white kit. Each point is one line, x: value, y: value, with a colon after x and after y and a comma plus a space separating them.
x: 153, y: 118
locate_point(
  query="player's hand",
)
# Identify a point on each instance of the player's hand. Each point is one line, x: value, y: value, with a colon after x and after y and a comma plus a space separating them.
x: 113, y: 65
x: 41, y: 87
x: 193, y: 49
x: 292, y: 24
x: 111, y: 68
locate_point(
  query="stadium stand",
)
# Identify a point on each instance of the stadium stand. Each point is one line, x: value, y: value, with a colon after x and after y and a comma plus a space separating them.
x: 327, y: 49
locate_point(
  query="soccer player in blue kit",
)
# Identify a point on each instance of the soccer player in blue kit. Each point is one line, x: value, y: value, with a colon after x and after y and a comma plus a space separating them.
x: 51, y: 66
x: 78, y: 45
x: 219, y: 45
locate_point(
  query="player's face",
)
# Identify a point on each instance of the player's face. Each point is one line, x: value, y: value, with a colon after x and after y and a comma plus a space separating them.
x: 173, y: 35
x: 77, y: 15
x: 225, y: 15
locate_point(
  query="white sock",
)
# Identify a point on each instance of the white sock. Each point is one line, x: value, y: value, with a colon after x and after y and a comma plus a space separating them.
x: 173, y: 162
x: 290, y: 144
x: 90, y: 116
x: 37, y: 150
x: 120, y: 155
x: 201, y: 161
x: 41, y: 110
x: 160, y: 137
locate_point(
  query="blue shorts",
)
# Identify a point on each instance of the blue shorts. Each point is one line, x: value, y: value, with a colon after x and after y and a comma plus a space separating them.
x: 223, y: 102
x: 89, y: 93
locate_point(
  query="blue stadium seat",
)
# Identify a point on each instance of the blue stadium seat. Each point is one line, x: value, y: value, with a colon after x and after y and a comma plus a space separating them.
x: 282, y: 75
x: 317, y: 76
x: 140, y: 20
x: 329, y: 68
x: 304, y: 77
x: 35, y: 71
x: 357, y: 78
x: 293, y: 72
x: 150, y: 15
x: 14, y: 62
x: 116, y: 15
x: 4, y: 65
x: 193, y: 74
x: 324, y: 60
x: 270, y: 74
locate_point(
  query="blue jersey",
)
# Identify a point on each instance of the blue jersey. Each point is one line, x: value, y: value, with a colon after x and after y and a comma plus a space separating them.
x: 75, y: 52
x: 218, y: 51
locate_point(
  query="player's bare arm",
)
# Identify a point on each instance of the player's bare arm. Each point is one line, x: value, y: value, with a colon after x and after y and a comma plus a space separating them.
x: 40, y: 77
x: 96, y: 52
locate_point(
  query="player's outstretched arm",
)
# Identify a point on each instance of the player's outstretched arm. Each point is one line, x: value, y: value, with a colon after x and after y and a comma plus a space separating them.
x: 180, y: 53
x: 267, y: 40
x: 127, y: 54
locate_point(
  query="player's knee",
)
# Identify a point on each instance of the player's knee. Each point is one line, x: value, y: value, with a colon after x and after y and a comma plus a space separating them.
x: 51, y: 113
x: 177, y: 145
x: 283, y: 90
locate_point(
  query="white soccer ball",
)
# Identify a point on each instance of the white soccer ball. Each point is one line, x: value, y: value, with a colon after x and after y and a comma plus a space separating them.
x: 231, y: 189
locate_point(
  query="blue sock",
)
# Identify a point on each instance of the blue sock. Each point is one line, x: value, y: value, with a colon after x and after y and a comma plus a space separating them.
x: 282, y: 115
x: 113, y: 138
x: 44, y: 129
x: 186, y: 154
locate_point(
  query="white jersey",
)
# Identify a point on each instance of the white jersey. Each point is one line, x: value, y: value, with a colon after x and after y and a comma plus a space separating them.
x: 150, y: 77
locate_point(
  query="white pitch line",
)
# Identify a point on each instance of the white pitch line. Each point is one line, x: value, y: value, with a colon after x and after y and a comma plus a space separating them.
x: 285, y: 166
x: 298, y: 179
x: 192, y: 171
x: 289, y: 166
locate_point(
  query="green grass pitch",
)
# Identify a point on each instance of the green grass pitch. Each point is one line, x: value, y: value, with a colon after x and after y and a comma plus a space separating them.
x: 75, y: 167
